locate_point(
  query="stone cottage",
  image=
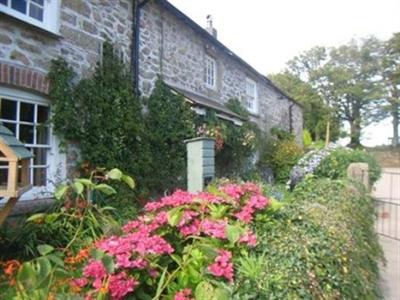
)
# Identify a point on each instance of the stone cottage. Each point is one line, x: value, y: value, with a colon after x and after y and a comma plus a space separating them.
x: 153, y: 37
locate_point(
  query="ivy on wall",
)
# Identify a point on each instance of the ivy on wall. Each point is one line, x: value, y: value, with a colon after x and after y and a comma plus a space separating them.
x: 101, y: 113
x: 236, y: 145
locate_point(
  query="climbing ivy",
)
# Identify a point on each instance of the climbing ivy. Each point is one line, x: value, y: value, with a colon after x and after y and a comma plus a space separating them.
x: 168, y: 122
x: 101, y: 113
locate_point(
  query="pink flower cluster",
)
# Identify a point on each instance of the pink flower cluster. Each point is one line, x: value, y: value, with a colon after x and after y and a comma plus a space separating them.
x: 144, y: 240
x: 222, y: 266
x: 254, y: 203
x: 185, y: 294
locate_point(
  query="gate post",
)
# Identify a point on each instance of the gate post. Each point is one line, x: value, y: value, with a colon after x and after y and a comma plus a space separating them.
x: 359, y: 172
x: 200, y: 163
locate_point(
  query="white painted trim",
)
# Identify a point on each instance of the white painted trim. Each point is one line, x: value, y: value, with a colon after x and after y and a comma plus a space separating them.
x: 51, y: 15
x: 209, y: 61
x: 56, y: 161
x: 254, y: 109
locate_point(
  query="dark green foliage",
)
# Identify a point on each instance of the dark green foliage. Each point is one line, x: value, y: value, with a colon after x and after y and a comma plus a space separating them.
x: 320, y: 245
x: 336, y: 164
x: 101, y: 113
x: 239, y: 142
x: 280, y: 153
x: 168, y: 122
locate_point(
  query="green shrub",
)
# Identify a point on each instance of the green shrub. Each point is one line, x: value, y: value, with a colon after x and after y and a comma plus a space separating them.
x: 307, y: 139
x: 336, y: 164
x: 320, y: 245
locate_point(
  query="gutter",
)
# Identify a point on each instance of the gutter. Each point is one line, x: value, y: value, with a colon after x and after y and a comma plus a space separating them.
x: 291, y: 117
x: 136, y: 7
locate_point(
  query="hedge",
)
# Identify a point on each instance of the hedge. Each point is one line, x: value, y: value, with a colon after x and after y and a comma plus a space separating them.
x: 320, y: 245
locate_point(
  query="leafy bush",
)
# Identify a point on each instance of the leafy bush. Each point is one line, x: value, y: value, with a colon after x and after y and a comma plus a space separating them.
x: 307, y: 139
x: 335, y: 165
x: 73, y: 221
x: 185, y: 244
x: 235, y: 145
x: 320, y: 244
x: 168, y: 122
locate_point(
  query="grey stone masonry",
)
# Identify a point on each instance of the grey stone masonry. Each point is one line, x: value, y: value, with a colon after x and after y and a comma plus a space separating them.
x: 171, y: 48
x: 84, y: 25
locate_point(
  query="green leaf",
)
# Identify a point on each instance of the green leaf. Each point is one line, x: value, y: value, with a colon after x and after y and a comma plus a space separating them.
x: 45, y: 249
x: 86, y: 182
x: 44, y: 268
x: 27, y: 276
x: 36, y: 217
x: 222, y: 294
x: 129, y: 181
x: 56, y: 260
x: 60, y: 191
x: 160, y: 284
x: 204, y: 291
x: 97, y: 254
x: 115, y: 174
x: 105, y: 189
x: 78, y: 187
x: 174, y: 216
x: 108, y: 263
x: 233, y: 233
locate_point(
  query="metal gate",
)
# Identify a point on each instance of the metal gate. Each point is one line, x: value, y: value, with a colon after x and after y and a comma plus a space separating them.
x: 387, y: 203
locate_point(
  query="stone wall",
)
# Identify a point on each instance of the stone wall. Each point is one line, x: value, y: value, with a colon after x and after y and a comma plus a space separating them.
x: 171, y: 48
x: 84, y: 25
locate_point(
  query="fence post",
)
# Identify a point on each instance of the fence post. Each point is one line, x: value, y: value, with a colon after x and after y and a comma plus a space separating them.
x: 359, y: 172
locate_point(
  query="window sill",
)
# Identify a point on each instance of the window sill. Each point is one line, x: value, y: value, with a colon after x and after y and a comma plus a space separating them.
x: 30, y: 26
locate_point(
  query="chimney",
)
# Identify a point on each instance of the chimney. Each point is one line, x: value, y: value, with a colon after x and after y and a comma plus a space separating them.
x: 211, y: 30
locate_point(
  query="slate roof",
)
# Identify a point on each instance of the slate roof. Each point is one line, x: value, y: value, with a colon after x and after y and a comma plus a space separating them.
x: 207, y: 102
x: 8, y: 138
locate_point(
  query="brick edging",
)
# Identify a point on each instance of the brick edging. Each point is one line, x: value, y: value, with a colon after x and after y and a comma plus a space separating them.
x: 23, y: 77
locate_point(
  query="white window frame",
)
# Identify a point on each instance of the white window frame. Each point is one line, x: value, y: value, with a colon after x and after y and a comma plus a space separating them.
x: 211, y: 72
x: 251, y: 95
x: 56, y: 161
x: 51, y: 15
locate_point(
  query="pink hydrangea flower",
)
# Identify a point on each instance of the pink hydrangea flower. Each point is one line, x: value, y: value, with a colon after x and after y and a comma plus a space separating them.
x: 79, y: 282
x: 234, y: 191
x: 120, y: 285
x: 249, y: 238
x: 191, y: 229
x: 222, y: 266
x: 215, y: 229
x: 184, y: 295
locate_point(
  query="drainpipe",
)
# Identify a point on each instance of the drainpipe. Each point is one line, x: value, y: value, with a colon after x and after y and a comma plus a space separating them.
x: 137, y: 5
x: 291, y: 118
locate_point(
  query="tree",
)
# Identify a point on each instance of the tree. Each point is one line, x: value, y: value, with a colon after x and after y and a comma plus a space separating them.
x: 391, y: 79
x: 168, y: 122
x: 316, y: 113
x: 346, y: 77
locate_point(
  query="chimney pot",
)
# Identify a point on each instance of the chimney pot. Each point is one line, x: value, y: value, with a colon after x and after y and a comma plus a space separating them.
x: 210, y: 28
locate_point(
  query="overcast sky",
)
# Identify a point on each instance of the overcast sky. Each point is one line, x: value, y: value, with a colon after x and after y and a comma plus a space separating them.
x: 267, y: 33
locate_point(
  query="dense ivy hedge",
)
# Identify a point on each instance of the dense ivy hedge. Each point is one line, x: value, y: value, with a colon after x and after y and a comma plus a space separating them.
x: 320, y: 245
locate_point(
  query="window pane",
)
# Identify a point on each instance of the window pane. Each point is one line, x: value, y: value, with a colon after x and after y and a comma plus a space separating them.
x: 42, y: 135
x: 42, y: 114
x: 26, y: 134
x: 12, y: 127
x: 39, y: 176
x: 40, y: 156
x: 3, y: 175
x: 3, y: 2
x: 36, y: 12
x: 27, y: 111
x: 8, y: 109
x: 19, y: 5
x: 40, y: 2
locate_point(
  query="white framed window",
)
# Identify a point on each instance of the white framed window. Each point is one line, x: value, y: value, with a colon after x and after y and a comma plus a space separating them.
x: 27, y: 116
x: 41, y: 13
x: 211, y: 72
x: 251, y: 95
